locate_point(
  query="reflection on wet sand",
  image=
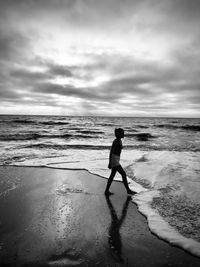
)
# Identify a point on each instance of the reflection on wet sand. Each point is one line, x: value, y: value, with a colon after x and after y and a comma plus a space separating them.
x: 114, y: 239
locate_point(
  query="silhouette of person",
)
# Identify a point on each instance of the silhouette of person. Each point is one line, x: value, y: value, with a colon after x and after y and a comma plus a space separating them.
x: 114, y: 238
x: 114, y: 162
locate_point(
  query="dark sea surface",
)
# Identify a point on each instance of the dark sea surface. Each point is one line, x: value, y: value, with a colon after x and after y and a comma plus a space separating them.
x: 60, y: 133
x: 161, y: 156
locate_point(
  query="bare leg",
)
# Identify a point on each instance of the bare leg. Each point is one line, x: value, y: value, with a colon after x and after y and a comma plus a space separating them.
x: 123, y: 174
x: 110, y: 179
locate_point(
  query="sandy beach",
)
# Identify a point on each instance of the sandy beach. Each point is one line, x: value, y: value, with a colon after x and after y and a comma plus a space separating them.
x: 54, y: 217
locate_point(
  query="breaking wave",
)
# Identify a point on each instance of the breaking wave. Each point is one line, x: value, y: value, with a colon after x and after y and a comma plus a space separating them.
x: 30, y: 136
x: 184, y: 127
x: 35, y: 136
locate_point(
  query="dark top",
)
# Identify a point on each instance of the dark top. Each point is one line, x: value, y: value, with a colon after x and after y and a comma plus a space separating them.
x: 116, y: 147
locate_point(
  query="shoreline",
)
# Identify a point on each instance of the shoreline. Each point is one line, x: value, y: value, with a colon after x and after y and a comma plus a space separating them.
x: 65, y: 214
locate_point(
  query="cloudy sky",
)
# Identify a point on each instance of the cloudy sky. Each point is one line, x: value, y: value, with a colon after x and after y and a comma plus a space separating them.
x: 100, y: 57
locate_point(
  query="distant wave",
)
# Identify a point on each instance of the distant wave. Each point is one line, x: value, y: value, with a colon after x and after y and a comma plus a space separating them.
x: 63, y: 147
x: 53, y: 122
x: 19, y: 137
x: 22, y: 121
x: 90, y: 132
x: 129, y: 129
x: 25, y: 121
x: 185, y: 127
x: 105, y: 124
x: 140, y: 136
x: 35, y: 136
x: 83, y: 136
x: 142, y: 126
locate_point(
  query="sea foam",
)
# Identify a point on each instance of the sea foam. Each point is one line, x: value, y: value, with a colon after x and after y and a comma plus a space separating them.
x: 160, y: 227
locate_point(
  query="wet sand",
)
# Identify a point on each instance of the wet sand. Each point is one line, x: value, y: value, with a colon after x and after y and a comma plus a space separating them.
x: 53, y: 217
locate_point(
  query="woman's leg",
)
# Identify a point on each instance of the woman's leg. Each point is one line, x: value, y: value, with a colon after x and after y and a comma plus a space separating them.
x: 110, y: 179
x: 124, y: 179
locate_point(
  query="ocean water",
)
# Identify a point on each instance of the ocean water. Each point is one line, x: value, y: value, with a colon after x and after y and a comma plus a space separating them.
x: 161, y: 157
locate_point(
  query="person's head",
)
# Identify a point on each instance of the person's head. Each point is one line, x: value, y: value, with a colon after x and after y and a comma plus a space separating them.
x: 119, y: 133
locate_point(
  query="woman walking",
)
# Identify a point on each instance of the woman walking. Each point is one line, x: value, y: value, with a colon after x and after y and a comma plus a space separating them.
x: 114, y: 162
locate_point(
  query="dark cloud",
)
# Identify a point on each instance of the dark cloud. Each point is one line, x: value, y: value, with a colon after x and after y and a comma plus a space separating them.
x: 56, y: 70
x: 24, y: 75
x: 8, y: 94
x: 188, y: 10
x: 31, y: 78
x: 13, y: 46
x: 88, y: 93
x: 155, y: 14
x: 75, y: 11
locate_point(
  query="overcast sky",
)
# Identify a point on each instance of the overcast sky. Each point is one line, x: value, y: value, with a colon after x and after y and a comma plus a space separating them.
x: 100, y: 57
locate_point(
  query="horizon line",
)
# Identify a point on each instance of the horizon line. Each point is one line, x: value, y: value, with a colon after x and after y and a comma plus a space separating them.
x: 107, y: 116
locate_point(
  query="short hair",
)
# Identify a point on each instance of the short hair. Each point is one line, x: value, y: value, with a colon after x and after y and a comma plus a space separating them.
x: 119, y: 132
